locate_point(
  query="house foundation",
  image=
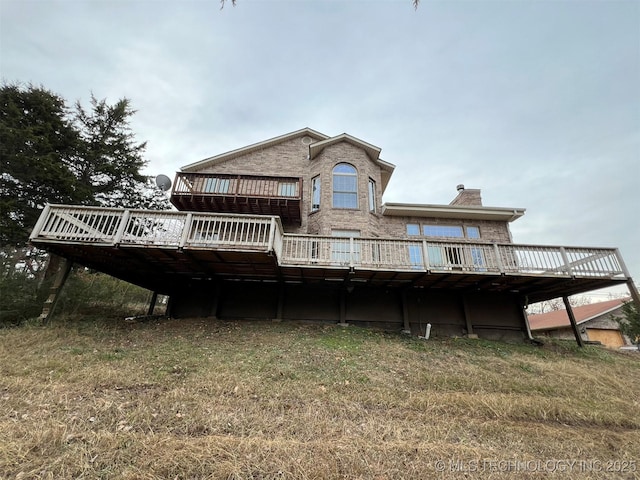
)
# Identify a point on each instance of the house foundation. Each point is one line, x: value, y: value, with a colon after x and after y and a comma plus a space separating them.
x: 496, y: 316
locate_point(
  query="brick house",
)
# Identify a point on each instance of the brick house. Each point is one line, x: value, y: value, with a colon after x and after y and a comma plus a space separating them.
x: 294, y: 227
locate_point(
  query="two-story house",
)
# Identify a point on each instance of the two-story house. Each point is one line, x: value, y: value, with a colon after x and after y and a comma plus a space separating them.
x: 294, y: 227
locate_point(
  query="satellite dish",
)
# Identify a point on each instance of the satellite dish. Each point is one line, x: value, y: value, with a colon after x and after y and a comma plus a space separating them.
x: 163, y: 182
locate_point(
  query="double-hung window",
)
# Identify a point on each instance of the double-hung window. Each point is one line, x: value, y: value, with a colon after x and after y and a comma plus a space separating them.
x: 345, y: 186
x: 315, y: 194
x: 372, y: 196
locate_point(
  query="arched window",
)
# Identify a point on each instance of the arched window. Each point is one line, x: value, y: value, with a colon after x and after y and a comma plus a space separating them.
x: 345, y: 186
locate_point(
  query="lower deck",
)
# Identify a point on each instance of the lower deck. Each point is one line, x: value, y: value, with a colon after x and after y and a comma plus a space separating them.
x: 192, y: 257
x: 420, y: 311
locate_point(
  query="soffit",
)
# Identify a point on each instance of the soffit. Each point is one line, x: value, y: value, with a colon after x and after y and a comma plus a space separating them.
x: 452, y: 211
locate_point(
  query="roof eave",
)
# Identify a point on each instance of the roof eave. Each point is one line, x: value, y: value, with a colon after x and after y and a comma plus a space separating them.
x: 251, y: 148
x: 451, y: 211
x: 317, y: 147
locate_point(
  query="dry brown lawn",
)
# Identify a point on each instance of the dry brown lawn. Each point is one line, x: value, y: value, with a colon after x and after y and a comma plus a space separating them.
x: 196, y: 399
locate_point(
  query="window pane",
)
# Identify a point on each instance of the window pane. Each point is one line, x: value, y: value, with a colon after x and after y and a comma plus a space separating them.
x: 344, y: 168
x: 345, y: 186
x: 477, y: 256
x: 415, y: 255
x: 443, y: 231
x: 343, y: 183
x: 345, y: 200
x: 435, y: 256
x: 413, y: 229
x: 473, y: 232
x: 372, y: 196
x: 315, y: 194
x: 341, y: 249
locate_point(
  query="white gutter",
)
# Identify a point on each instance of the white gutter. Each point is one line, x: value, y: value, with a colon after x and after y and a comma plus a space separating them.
x: 452, y: 211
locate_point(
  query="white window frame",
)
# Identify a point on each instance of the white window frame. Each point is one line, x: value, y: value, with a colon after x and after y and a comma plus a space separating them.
x: 315, y: 193
x: 473, y: 228
x: 336, y: 176
x: 442, y: 231
x: 372, y: 195
x: 413, y: 229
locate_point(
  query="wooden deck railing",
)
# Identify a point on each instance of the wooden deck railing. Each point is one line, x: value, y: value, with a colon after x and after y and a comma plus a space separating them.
x: 122, y: 227
x: 170, y: 229
x: 240, y: 185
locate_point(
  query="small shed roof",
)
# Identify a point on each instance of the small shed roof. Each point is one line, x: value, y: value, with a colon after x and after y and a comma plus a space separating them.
x: 584, y: 313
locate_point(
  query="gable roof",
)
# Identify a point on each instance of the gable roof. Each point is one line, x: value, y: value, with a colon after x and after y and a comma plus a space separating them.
x: 386, y: 168
x: 315, y: 148
x: 584, y: 313
x: 252, y: 148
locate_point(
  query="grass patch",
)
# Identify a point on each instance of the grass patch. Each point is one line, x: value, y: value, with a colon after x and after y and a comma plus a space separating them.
x: 209, y: 399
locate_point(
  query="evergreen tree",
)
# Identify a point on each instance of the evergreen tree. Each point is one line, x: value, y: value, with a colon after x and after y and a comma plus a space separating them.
x: 49, y: 154
x: 108, y: 160
x: 630, y: 322
x: 36, y: 143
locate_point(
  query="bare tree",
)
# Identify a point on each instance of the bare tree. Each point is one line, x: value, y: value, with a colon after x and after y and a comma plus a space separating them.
x: 233, y: 2
x: 557, y: 304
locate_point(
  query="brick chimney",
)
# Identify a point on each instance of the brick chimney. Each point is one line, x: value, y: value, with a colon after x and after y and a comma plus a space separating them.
x: 467, y: 196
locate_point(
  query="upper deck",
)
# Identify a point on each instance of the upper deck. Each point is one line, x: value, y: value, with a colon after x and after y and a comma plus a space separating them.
x: 246, y: 194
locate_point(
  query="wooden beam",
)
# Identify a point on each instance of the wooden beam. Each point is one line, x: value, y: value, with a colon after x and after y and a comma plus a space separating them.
x: 633, y: 290
x: 467, y: 316
x: 572, y: 319
x: 405, y: 313
x: 217, y: 289
x: 152, y: 303
x: 343, y: 307
x: 280, y: 308
x: 54, y: 292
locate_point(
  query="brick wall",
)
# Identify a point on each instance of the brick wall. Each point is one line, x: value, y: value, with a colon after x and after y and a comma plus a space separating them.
x: 467, y: 196
x: 290, y: 158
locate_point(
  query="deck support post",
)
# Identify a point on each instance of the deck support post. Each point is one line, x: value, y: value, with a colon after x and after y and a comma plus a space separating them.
x: 280, y: 309
x: 525, y: 319
x: 633, y: 290
x: 467, y: 317
x: 54, y: 292
x: 343, y: 307
x: 217, y: 289
x: 405, y: 314
x: 572, y: 319
x: 152, y: 303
